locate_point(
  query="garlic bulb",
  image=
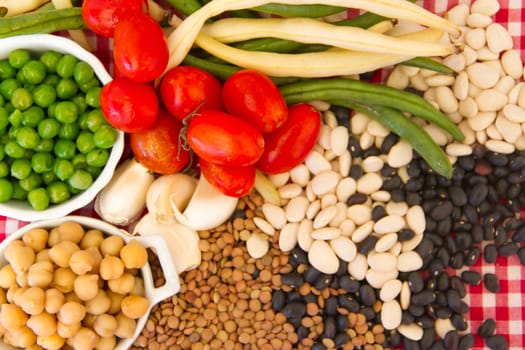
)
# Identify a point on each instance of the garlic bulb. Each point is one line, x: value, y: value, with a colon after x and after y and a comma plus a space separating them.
x: 177, y: 188
x: 124, y: 197
x: 182, y: 241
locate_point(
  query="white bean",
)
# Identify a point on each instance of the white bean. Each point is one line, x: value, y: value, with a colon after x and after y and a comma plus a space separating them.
x: 446, y: 99
x: 386, y: 242
x: 288, y: 236
x: 475, y: 38
x: 512, y: 63
x: 485, y: 7
x: 458, y: 14
x: 290, y: 190
x: 296, y: 209
x: 316, y: 162
x: 322, y: 257
x: 257, y: 245
x: 274, y: 214
x: 499, y: 146
x: 482, y: 75
x: 369, y: 183
x: 324, y: 216
x: 390, y: 290
x: 358, y: 267
x: 363, y: 231
x: 491, y: 100
x: 509, y: 130
x: 359, y: 213
x: 264, y: 226
x: 304, y: 234
x: 514, y: 113
x: 358, y: 123
x: 300, y: 175
x: 477, y: 20
x: 339, y: 140
x: 481, y: 121
x: 498, y: 38
x: 391, y: 314
x: 388, y: 224
x: 344, y: 248
x: 461, y: 86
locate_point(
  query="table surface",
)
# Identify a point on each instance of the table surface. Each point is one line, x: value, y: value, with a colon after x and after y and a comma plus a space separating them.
x: 508, y: 306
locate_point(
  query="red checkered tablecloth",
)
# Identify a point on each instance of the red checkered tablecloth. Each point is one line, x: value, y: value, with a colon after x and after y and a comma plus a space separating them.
x: 508, y: 306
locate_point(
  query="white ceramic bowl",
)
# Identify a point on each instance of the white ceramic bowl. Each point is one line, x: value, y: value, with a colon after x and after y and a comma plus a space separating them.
x: 158, y: 245
x: 38, y: 43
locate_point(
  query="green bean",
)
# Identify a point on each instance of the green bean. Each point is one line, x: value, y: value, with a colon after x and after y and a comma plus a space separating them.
x: 186, y: 7
x: 35, y: 18
x: 67, y: 23
x: 415, y: 135
x: 367, y: 93
x: 430, y: 64
x: 285, y: 10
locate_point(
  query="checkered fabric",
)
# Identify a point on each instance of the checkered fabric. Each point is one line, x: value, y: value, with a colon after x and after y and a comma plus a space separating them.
x: 508, y: 306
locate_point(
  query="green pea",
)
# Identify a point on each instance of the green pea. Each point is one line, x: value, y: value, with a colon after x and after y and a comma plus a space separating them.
x: 6, y: 70
x: 58, y: 192
x: 66, y: 112
x: 19, y: 57
x: 66, y: 88
x: 63, y: 169
x: 50, y: 60
x: 51, y: 109
x: 85, y: 142
x: 95, y: 119
x: 4, y: 169
x: 9, y: 107
x: 38, y: 198
x: 32, y: 116
x: 66, y: 66
x: 49, y: 177
x: 90, y: 84
x: 69, y: 131
x: 51, y: 80
x: 93, y: 97
x: 97, y: 157
x: 6, y: 190
x: 105, y: 136
x: 13, y: 130
x: 80, y: 101
x: 81, y: 179
x: 21, y: 168
x: 79, y: 161
x: 31, y: 182
x: 45, y: 145
x: 15, y: 118
x: 82, y: 120
x: 42, y: 162
x: 33, y: 72
x: 14, y: 150
x: 44, y: 95
x: 27, y: 137
x: 4, y: 118
x: 2, y: 101
x: 65, y: 149
x: 20, y: 77
x: 8, y: 86
x: 18, y: 192
x: 83, y: 73
x: 22, y: 98
x: 95, y: 170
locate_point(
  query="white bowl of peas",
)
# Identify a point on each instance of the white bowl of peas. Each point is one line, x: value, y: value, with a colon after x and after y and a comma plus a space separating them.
x: 79, y: 282
x: 56, y: 149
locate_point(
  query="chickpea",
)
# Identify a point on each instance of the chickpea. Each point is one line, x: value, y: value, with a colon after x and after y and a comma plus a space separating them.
x: 67, y: 331
x: 71, y: 231
x: 97, y: 258
x: 8, y: 253
x: 21, y: 279
x: 107, y: 343
x: 43, y: 255
x: 43, y: 324
x: 99, y: 304
x: 111, y: 267
x: 86, y: 286
x: 116, y: 301
x: 126, y: 326
x: 134, y: 255
x: 51, y: 342
x: 54, y: 300
x: 81, y: 262
x: 20, y: 257
x: 12, y: 316
x: 32, y: 300
x: 7, y: 276
x: 3, y: 296
x: 21, y: 337
x: 122, y: 285
x: 85, y: 339
x: 34, y: 347
x: 92, y: 238
x: 139, y: 288
x: 72, y: 296
x: 105, y: 325
x: 112, y: 245
x: 134, y: 306
x: 36, y: 238
x: 40, y: 274
x: 71, y: 312
x: 63, y: 279
x: 61, y: 252
x: 53, y: 237
x: 13, y: 294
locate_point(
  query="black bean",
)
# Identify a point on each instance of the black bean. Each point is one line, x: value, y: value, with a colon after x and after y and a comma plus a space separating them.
x: 443, y: 312
x: 478, y: 194
x: 466, y: 342
x: 451, y: 340
x: 367, y: 244
x: 369, y: 313
x: 416, y: 310
x: 438, y: 345
x: 392, y: 183
x: 489, y: 232
x: 311, y: 274
x: 457, y: 284
x: 299, y: 256
x: 441, y: 299
x: 442, y: 210
x: 302, y: 332
x: 425, y: 247
x: 405, y: 235
x: 513, y: 191
x: 435, y: 267
x: 330, y: 329
x: 323, y: 281
x: 330, y: 305
x: 450, y: 244
x: 429, y: 335
x: 414, y: 184
x: 459, y: 322
x: 398, y: 195
x: 454, y: 300
x: 356, y: 198
x: 310, y: 298
x: 342, y: 115
x: 467, y: 163
x: 477, y: 233
x: 464, y: 240
x: 415, y: 282
x: 341, y: 323
x: 521, y: 255
x: 508, y: 249
x: 278, y: 300
x: 349, y: 284
x: 409, y: 344
x: 500, y: 237
x: 294, y: 295
x: 413, y: 198
x: 378, y: 212
x: 458, y: 196
x: 519, y: 235
x: 497, y: 342
x: 425, y: 321
x: 407, y: 317
x: 472, y: 256
x: 341, y: 339
x: 487, y: 328
x: 423, y: 298
x: 295, y: 321
x: 395, y: 339
x: 348, y: 302
x: 431, y: 283
x: 292, y: 279
x: 367, y: 295
x: 356, y: 171
x: 443, y: 282
x: 354, y: 147
x: 517, y: 163
x: 457, y: 260
x: 491, y: 282
x: 471, y: 277
x: 294, y: 309
x: 490, y: 253
x: 318, y: 346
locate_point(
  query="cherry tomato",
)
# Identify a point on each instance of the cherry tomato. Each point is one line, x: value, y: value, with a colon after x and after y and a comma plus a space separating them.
x: 183, y: 89
x: 128, y: 105
x: 101, y: 16
x: 289, y: 145
x: 224, y: 139
x: 235, y: 181
x: 158, y: 147
x: 140, y: 49
x: 254, y: 97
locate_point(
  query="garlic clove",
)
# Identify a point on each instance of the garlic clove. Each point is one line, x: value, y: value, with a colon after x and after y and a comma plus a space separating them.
x: 177, y: 187
x: 207, y: 208
x: 182, y: 241
x: 123, y: 199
